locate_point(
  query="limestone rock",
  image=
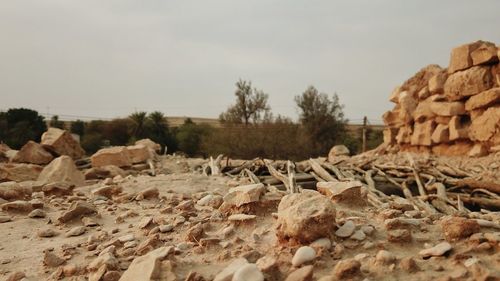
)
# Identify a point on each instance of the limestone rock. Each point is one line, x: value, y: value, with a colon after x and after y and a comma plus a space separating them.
x: 303, y: 255
x: 211, y: 200
x: 304, y: 273
x: 16, y: 276
x: 456, y: 149
x: 390, y: 135
x: 37, y: 213
x: 151, y: 145
x: 468, y: 83
x: 62, y: 169
x: 33, y: 153
x: 484, y: 99
x: 455, y: 228
x: 241, y: 217
x: 76, y: 211
x: 408, y: 106
x: 19, y: 172
x: 460, y: 58
x: 103, y: 172
x: 116, y: 156
x: 344, y: 192
x: 486, y: 52
x: 391, y: 119
x: 147, y: 267
x: 458, y: 130
x: 422, y: 133
x: 14, y: 191
x: 227, y: 273
x: 441, y: 134
x: 420, y: 79
x: 61, y: 142
x: 448, y: 108
x: 52, y: 260
x: 58, y: 188
x: 248, y: 272
x: 484, y: 127
x: 436, y: 251
x: 423, y: 111
x: 346, y: 269
x: 436, y: 83
x: 46, y: 233
x: 305, y: 217
x: 76, y: 231
x: 138, y: 153
x: 238, y: 196
x: 17, y: 206
x: 346, y: 230
x: 399, y: 236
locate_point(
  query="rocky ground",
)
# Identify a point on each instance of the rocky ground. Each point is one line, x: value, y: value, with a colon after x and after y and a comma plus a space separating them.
x: 183, y: 225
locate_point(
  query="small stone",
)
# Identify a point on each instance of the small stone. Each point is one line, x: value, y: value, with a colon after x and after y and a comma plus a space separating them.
x: 408, y: 264
x: 471, y: 261
x: 248, y: 272
x: 227, y: 273
x: 166, y: 228
x: 69, y: 270
x: 46, y: 233
x: 37, y: 213
x: 126, y: 238
x: 358, y: 235
x: 303, y: 255
x: 456, y: 228
x: 367, y: 229
x: 436, y: 251
x: 89, y: 222
x: 111, y: 276
x: 322, y: 243
x: 385, y: 257
x: 241, y: 217
x: 145, y: 222
x: 51, y: 260
x: 346, y: 230
x: 302, y: 274
x: 266, y: 264
x: 346, y: 269
x: 399, y: 236
x: 76, y: 231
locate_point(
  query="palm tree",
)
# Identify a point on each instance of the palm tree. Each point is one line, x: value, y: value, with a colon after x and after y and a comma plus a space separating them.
x: 139, y: 120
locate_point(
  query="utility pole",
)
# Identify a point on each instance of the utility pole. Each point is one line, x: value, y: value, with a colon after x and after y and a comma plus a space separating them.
x: 365, y: 123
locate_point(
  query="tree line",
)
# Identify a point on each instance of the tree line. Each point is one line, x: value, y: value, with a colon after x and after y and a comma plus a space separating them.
x: 248, y: 129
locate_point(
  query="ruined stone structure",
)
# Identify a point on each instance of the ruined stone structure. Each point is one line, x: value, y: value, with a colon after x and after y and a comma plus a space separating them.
x: 449, y: 111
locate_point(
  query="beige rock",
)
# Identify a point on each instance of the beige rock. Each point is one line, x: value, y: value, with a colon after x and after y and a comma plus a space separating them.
x: 408, y: 106
x: 420, y: 79
x: 58, y: 188
x: 37, y: 213
x: 459, y: 148
x: 103, y: 172
x: 486, y: 126
x: 395, y: 95
x: 445, y: 120
x: 460, y: 58
x: 46, y: 233
x: 347, y: 269
x: 14, y: 191
x: 399, y: 236
x: 16, y: 276
x: 76, y: 231
x: 436, y: 251
x: 346, y: 230
x: 344, y: 192
x: 241, y: 195
x: 116, y: 156
x: 478, y: 150
x: 52, y: 260
x: 408, y: 264
x: 303, y: 255
x: 248, y: 272
x: 456, y: 228
x: 62, y: 169
x: 61, y: 142
x: 304, y: 273
x: 458, y: 131
x: 486, y: 52
x: 338, y: 150
x: 390, y: 135
x: 447, y: 108
x: 147, y: 267
x: 138, y: 153
x: 422, y: 133
x: 484, y: 99
x: 153, y: 146
x: 436, y: 83
x: 305, y: 217
x: 33, y: 153
x: 391, y: 118
x: 441, y: 134
x: 404, y: 135
x: 241, y: 217
x: 19, y: 172
x: 227, y: 273
x: 76, y: 211
x: 423, y: 111
x: 468, y: 83
x: 17, y: 206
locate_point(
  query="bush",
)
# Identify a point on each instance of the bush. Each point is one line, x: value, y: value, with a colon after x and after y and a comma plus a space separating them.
x: 19, y: 125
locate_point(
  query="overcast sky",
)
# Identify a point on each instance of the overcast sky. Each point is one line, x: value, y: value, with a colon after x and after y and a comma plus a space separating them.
x: 109, y: 58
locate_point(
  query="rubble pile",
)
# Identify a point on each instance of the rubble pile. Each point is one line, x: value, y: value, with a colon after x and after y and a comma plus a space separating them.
x: 449, y: 111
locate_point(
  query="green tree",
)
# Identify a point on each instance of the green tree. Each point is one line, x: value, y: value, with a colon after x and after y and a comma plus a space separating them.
x: 190, y: 136
x: 159, y: 131
x: 56, y: 123
x: 78, y: 127
x: 322, y: 118
x: 117, y: 131
x: 251, y: 105
x: 19, y: 125
x: 139, y: 124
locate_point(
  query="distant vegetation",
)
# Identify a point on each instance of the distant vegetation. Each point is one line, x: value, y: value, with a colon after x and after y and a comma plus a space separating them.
x: 249, y: 129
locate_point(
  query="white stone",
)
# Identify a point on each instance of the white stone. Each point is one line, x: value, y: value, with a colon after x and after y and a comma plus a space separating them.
x: 304, y: 254
x: 227, y: 273
x: 346, y: 230
x: 436, y: 251
x: 322, y: 243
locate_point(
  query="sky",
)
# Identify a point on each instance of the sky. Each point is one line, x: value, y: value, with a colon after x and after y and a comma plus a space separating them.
x: 109, y: 58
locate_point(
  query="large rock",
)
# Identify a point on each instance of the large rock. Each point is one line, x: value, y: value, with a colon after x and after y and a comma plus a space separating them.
x: 486, y: 126
x: 408, y: 105
x: 33, y: 153
x: 420, y: 79
x: 14, y: 191
x: 147, y: 267
x: 467, y: 83
x: 153, y: 146
x: 447, y: 108
x: 484, y: 99
x: 458, y: 129
x: 139, y: 153
x: 423, y: 111
x: 436, y: 83
x: 305, y: 217
x: 61, y: 142
x: 404, y: 135
x: 116, y: 156
x: 460, y: 58
x: 441, y: 134
x: 422, y: 133
x: 19, y: 172
x: 62, y: 169
x: 391, y: 118
x: 485, y: 53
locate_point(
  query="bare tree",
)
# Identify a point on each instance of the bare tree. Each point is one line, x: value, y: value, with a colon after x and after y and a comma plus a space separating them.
x: 251, y: 105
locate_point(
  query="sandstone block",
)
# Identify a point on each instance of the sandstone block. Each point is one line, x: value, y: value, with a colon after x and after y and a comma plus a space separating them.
x: 468, y: 83
x: 61, y: 142
x: 441, y: 134
x: 117, y: 156
x: 484, y: 99
x: 458, y: 129
x: 448, y: 108
x: 436, y: 83
x: 484, y: 127
x: 33, y: 153
x: 404, y: 135
x: 486, y: 52
x: 422, y: 133
x: 460, y: 58
x: 62, y: 169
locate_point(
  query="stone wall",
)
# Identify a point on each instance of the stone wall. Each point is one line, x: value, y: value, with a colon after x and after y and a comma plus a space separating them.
x: 449, y: 111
